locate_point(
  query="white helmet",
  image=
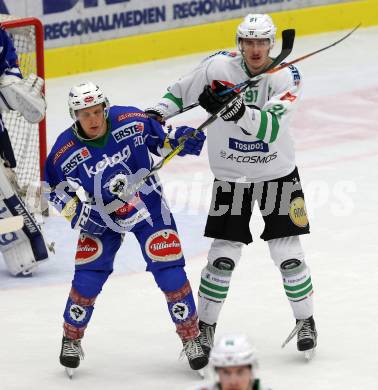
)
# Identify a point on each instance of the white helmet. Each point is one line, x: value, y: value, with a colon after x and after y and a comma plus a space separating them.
x: 257, y: 26
x: 233, y: 350
x: 86, y: 95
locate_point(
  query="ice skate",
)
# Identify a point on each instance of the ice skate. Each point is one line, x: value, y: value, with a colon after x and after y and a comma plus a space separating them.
x: 206, y: 336
x: 195, y: 354
x: 307, y: 338
x: 70, y: 355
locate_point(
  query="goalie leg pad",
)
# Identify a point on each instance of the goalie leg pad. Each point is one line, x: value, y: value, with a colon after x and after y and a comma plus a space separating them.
x: 24, y: 96
x: 23, y: 249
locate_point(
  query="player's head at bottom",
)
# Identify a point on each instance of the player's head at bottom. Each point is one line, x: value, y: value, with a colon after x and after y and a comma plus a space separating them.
x: 234, y: 362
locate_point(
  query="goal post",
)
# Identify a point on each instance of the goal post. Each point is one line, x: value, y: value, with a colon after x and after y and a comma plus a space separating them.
x: 28, y: 140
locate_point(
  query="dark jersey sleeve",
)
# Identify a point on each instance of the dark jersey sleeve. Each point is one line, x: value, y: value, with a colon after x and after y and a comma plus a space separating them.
x: 154, y: 136
x: 8, y: 56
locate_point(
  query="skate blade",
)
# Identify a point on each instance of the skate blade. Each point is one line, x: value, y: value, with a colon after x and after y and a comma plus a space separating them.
x: 70, y: 372
x: 309, y: 355
x: 201, y: 373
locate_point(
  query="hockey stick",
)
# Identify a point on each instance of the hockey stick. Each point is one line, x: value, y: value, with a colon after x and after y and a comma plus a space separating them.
x: 132, y: 189
x: 272, y: 68
x: 287, y: 46
x: 11, y: 224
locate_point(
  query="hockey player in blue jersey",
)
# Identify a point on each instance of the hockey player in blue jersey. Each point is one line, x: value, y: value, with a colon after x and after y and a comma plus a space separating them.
x: 24, y: 248
x: 105, y: 150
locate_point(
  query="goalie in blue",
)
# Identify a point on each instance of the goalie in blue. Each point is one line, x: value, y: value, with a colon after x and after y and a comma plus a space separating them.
x: 24, y: 248
x: 107, y: 149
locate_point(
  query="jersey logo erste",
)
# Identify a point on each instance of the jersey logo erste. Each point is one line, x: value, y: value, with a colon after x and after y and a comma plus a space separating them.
x: 75, y: 159
x: 127, y: 131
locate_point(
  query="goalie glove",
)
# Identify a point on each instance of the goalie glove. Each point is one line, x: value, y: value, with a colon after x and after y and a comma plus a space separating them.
x: 210, y: 100
x: 193, y: 144
x: 84, y: 216
x: 24, y: 96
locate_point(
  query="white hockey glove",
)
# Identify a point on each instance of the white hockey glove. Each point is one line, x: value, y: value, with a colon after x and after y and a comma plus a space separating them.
x: 24, y: 96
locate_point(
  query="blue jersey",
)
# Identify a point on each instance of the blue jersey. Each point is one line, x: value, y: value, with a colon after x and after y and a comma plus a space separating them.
x: 8, y: 66
x: 103, y: 167
x: 8, y: 56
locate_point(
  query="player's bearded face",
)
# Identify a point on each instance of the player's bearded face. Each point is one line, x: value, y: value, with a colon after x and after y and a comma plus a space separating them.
x: 92, y: 121
x: 256, y: 53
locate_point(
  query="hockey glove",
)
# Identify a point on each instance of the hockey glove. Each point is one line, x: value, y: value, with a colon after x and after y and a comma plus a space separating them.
x: 210, y: 100
x: 192, y: 143
x: 84, y: 216
x: 155, y: 113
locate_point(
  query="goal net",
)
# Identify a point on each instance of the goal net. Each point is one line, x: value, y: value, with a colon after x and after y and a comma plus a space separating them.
x: 28, y: 140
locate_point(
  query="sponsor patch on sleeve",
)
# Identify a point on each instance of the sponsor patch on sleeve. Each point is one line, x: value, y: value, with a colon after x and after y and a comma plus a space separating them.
x: 295, y: 74
x: 288, y: 96
x: 128, y: 115
x: 63, y: 150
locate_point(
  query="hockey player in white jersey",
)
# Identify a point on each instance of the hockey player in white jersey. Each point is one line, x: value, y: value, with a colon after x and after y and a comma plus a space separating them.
x: 251, y: 154
x: 22, y: 249
x: 234, y: 362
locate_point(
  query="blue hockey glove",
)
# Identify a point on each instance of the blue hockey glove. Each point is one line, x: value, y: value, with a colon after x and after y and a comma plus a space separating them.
x: 192, y: 144
x: 84, y: 216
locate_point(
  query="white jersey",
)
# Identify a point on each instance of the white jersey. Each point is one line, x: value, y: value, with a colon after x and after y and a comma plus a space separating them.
x: 217, y: 386
x: 259, y: 146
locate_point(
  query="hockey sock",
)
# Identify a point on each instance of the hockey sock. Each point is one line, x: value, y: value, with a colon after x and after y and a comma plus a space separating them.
x: 298, y: 287
x: 183, y: 312
x: 212, y: 292
x: 77, y: 314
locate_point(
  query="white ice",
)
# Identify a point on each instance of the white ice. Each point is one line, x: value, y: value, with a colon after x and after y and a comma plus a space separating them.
x: 131, y: 342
